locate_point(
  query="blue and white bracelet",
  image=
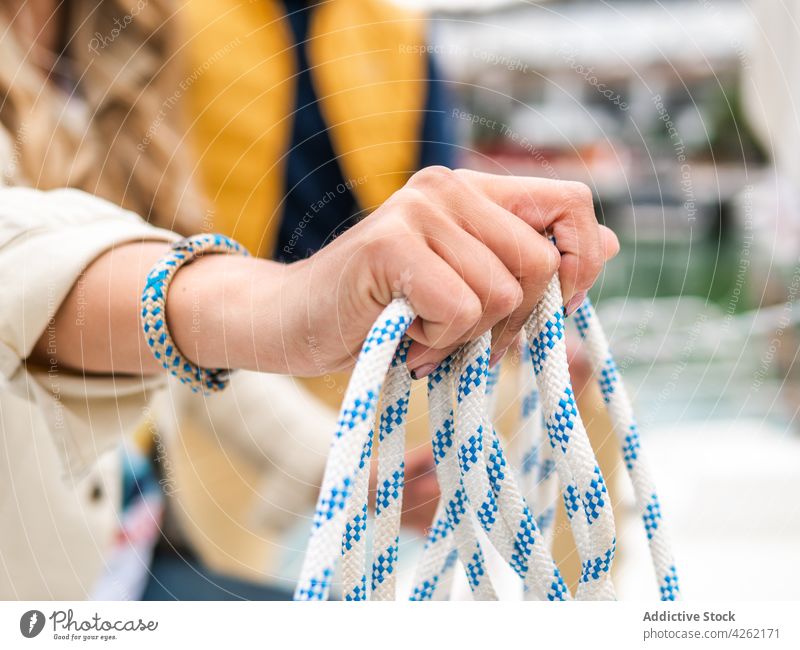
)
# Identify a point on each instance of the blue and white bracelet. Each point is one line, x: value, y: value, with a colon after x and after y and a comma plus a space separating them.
x: 154, y: 323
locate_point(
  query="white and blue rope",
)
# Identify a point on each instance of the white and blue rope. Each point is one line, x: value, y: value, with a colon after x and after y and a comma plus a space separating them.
x: 582, y: 485
x: 627, y: 433
x: 353, y: 431
x: 476, y: 482
x: 391, y: 475
x: 154, y: 311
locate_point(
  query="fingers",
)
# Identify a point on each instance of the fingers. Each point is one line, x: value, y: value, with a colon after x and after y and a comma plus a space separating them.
x: 526, y: 254
x: 487, y: 278
x: 610, y: 243
x: 563, y: 209
x: 446, y: 306
x: 497, y: 288
x: 477, y: 255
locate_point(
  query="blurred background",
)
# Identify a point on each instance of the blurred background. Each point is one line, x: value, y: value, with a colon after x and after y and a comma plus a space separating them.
x: 680, y: 115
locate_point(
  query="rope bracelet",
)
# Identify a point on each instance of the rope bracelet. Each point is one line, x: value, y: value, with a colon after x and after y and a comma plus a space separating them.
x: 154, y: 300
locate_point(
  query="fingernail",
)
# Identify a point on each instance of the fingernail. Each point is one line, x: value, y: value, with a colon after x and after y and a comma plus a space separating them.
x: 423, y: 371
x: 496, y: 357
x: 575, y: 302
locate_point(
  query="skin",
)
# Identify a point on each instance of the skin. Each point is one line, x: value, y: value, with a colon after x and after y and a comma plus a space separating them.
x: 466, y: 249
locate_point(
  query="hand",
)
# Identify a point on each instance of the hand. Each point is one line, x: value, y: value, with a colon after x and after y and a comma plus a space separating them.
x: 467, y: 249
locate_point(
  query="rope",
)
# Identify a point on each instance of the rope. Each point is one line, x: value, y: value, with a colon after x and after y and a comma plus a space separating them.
x: 478, y: 487
x: 627, y: 432
x: 153, y: 313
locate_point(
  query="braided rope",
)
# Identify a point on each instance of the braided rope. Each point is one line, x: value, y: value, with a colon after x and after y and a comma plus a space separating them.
x: 538, y: 478
x: 582, y: 484
x: 391, y: 468
x: 627, y: 433
x: 478, y: 488
x: 153, y: 315
x: 441, y: 390
x: 352, y: 435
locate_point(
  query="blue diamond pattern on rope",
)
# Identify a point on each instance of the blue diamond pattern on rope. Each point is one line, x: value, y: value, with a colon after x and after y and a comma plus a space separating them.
x: 593, y: 569
x: 450, y: 560
x: 496, y: 465
x: 581, y: 318
x: 426, y: 590
x: 572, y: 502
x: 523, y: 544
x: 470, y: 451
x: 333, y: 502
x: 546, y: 518
x: 475, y: 570
x: 317, y: 587
x: 389, y: 330
x: 669, y: 587
x: 363, y: 407
x: 608, y: 379
x: 389, y: 490
x: 366, y: 453
x: 547, y: 469
x: 441, y: 372
x: 530, y: 460
x: 562, y: 421
x: 487, y: 512
x: 545, y: 341
x: 652, y: 516
x: 594, y: 497
x: 401, y: 354
x: 630, y: 449
x: 384, y: 565
x: 354, y: 529
x: 443, y: 440
x: 359, y: 592
x: 558, y: 588
x: 438, y: 530
x: 457, y: 507
x: 472, y: 376
x: 392, y: 417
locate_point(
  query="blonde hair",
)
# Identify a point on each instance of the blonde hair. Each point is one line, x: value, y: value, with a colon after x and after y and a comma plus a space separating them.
x: 122, y: 55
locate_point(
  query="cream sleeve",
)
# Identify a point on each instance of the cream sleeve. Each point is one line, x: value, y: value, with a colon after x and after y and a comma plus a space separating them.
x: 270, y: 420
x: 47, y: 239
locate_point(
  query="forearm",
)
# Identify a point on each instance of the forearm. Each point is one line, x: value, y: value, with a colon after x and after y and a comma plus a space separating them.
x: 218, y: 313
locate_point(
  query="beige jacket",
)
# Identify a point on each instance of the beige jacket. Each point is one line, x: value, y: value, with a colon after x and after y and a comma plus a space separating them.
x: 60, y: 432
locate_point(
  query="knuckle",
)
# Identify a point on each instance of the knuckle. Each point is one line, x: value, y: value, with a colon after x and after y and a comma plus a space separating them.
x: 415, y: 207
x: 543, y: 264
x: 432, y: 176
x: 380, y: 246
x: 505, y: 297
x: 410, y: 198
x: 469, y: 311
x: 576, y: 194
x: 551, y: 260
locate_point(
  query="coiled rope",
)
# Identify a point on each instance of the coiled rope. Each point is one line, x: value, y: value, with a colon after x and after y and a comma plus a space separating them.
x: 478, y: 486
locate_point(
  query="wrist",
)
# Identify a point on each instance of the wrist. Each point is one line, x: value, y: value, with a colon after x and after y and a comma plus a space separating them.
x: 208, y: 310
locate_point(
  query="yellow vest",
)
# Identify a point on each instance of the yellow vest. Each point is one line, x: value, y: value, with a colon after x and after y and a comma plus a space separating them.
x: 369, y: 77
